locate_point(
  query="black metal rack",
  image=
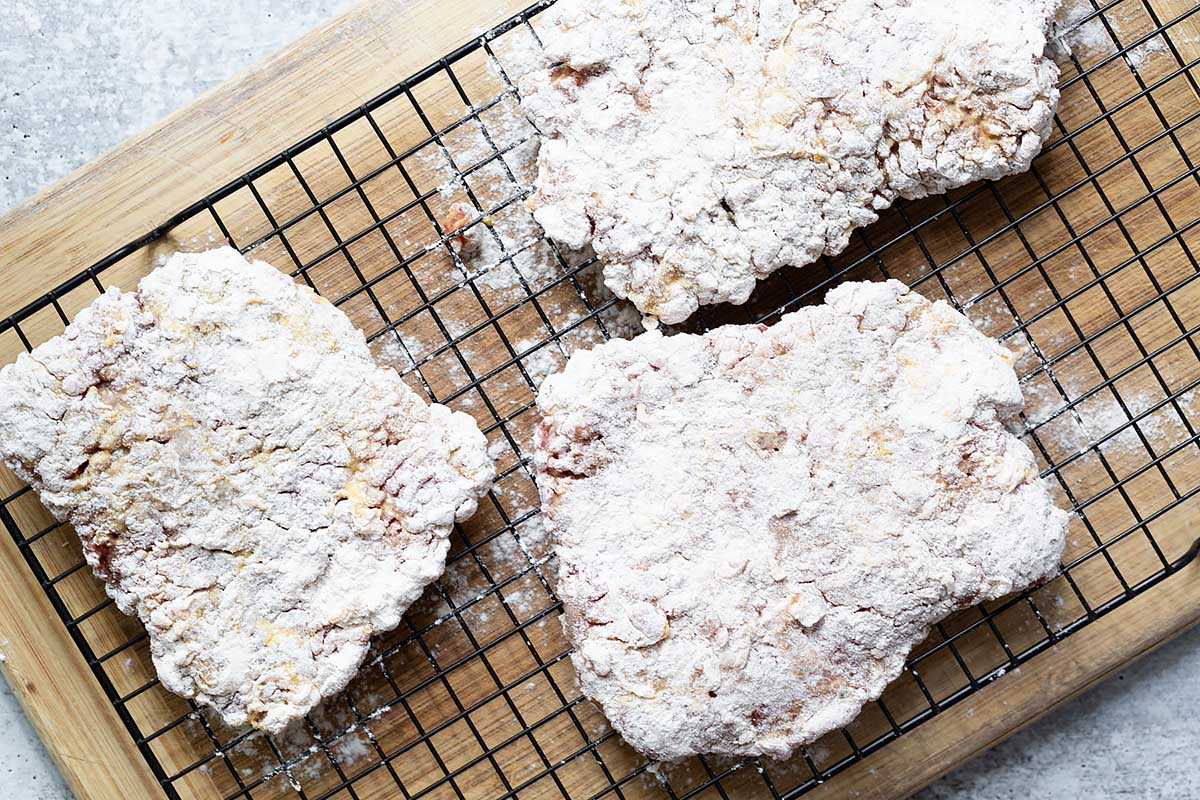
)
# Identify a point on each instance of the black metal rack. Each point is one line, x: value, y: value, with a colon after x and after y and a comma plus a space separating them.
x: 1085, y: 266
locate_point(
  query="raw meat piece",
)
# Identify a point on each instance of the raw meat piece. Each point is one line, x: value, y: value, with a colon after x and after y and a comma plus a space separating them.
x: 243, y: 477
x: 700, y: 146
x: 756, y: 526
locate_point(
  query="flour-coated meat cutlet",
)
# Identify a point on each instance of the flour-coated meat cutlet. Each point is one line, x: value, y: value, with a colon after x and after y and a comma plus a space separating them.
x: 756, y: 526
x: 700, y: 146
x: 243, y: 478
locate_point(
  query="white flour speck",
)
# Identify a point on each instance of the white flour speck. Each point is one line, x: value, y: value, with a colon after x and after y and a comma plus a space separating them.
x: 1138, y: 56
x: 1083, y: 38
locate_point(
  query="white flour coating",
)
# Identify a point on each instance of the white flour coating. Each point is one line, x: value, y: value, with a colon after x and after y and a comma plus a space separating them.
x: 243, y: 477
x: 755, y: 526
x: 701, y: 146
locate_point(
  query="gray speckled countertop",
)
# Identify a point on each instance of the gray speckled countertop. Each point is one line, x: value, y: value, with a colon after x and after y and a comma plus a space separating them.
x: 81, y: 75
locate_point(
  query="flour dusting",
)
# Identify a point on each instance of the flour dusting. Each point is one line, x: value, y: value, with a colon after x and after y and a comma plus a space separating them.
x: 1140, y: 55
x: 1079, y: 28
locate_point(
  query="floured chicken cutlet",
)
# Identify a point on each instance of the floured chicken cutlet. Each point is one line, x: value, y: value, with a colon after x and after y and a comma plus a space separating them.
x: 242, y: 476
x: 700, y: 146
x: 756, y: 526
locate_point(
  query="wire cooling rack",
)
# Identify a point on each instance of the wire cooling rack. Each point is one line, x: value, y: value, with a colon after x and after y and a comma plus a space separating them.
x: 408, y: 214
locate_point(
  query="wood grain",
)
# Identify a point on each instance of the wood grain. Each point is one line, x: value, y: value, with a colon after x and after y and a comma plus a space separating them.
x: 222, y: 135
x: 996, y: 712
x: 63, y: 701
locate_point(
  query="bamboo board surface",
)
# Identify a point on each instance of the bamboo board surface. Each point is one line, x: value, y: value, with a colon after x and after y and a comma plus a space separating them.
x: 219, y: 137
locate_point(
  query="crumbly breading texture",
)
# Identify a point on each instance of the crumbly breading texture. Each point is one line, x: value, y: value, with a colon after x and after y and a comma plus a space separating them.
x: 756, y: 526
x: 700, y: 146
x: 243, y: 477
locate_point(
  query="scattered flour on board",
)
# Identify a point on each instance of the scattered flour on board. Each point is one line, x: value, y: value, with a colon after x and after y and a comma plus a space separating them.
x: 304, y: 759
x: 466, y: 587
x: 351, y: 749
x: 1080, y: 34
x: 526, y: 553
x: 1081, y: 31
x: 388, y: 351
x: 505, y: 256
x: 498, y: 245
x: 1066, y: 430
x: 520, y: 601
x: 1097, y: 417
x: 510, y: 555
x: 540, y: 363
x: 497, y: 448
x: 502, y: 248
x: 517, y: 53
x: 1138, y: 56
x: 418, y: 341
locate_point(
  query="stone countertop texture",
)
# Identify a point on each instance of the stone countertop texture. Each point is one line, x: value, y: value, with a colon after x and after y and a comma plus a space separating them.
x: 79, y: 76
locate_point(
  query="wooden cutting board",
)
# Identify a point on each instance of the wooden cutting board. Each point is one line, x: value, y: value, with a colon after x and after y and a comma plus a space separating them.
x: 141, y: 184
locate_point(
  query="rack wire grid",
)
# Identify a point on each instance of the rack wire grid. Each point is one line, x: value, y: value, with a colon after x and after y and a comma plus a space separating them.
x: 408, y: 214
